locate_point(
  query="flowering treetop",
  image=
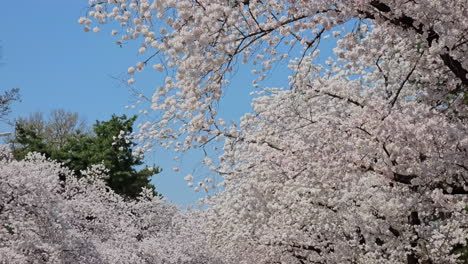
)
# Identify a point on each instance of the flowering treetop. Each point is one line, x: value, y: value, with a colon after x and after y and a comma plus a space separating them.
x: 201, y: 42
x: 362, y: 160
x: 48, y: 215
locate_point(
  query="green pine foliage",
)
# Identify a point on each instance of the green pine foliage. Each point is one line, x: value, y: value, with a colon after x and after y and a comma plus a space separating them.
x: 107, y: 145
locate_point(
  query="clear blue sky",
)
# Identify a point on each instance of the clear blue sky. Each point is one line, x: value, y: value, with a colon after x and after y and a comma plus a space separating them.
x: 46, y: 54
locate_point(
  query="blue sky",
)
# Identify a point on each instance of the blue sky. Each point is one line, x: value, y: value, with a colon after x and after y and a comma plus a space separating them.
x: 46, y: 54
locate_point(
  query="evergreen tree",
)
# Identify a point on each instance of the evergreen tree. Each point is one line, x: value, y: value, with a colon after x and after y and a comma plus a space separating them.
x: 110, y: 145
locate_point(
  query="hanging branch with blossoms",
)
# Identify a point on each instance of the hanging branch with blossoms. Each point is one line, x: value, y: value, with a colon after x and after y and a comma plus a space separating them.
x: 362, y: 160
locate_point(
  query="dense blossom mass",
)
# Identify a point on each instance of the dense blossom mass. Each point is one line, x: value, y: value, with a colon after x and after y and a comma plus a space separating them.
x: 362, y: 159
x: 48, y: 215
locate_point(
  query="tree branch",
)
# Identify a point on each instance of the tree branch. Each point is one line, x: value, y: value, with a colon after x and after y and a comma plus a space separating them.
x: 408, y: 23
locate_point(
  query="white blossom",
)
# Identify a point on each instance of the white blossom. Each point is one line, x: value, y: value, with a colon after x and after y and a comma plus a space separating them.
x: 361, y: 158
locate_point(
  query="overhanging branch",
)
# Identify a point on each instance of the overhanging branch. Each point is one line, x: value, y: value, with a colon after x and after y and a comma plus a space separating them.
x: 408, y: 23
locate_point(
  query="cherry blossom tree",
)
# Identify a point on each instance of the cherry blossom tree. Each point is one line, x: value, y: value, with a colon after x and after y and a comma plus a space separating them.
x: 362, y: 160
x: 48, y: 215
x: 202, y: 41
x: 312, y: 178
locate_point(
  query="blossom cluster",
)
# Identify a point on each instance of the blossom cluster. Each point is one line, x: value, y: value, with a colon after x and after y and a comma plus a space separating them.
x: 48, y: 215
x: 362, y: 159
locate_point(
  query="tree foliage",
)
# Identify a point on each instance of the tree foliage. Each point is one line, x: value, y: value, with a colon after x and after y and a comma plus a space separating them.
x: 47, y: 136
x: 43, y: 220
x: 109, y: 144
x: 362, y: 159
x: 6, y: 99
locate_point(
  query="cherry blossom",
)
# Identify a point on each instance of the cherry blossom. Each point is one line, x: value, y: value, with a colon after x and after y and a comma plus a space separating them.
x: 361, y: 159
x: 50, y: 216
